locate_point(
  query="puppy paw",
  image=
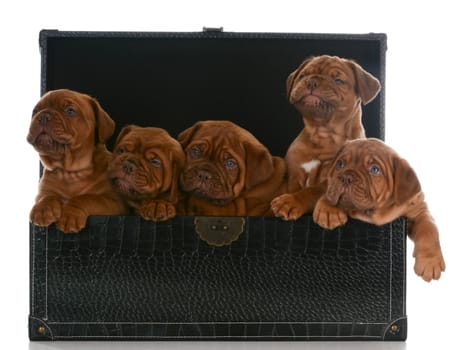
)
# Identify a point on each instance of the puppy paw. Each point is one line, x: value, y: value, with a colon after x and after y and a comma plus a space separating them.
x: 429, y: 266
x: 287, y: 207
x: 73, y: 219
x: 327, y: 216
x: 157, y: 210
x: 46, y: 212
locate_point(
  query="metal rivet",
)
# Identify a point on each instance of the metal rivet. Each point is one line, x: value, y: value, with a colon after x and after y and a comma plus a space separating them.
x: 41, y: 330
x: 213, y: 227
x: 394, y: 328
x: 225, y: 227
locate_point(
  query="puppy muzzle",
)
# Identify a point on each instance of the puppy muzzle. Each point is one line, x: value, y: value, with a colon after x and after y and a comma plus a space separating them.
x: 206, y: 183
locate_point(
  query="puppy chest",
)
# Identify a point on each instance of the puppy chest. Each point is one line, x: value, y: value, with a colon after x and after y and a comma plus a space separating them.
x: 310, y: 166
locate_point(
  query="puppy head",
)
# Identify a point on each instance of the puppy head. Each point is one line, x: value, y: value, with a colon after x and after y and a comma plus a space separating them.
x: 367, y: 175
x: 222, y: 161
x: 65, y: 128
x: 326, y: 87
x: 146, y: 163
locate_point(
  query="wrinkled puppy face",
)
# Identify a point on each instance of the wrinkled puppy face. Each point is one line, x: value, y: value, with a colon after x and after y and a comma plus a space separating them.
x: 56, y: 121
x: 214, y: 162
x: 221, y: 161
x: 368, y: 175
x: 63, y: 128
x: 324, y: 87
x: 146, y: 162
x: 361, y: 177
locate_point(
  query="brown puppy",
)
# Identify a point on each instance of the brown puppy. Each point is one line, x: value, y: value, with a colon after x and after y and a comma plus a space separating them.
x: 369, y: 181
x: 228, y: 172
x: 145, y: 170
x: 69, y: 131
x: 328, y: 92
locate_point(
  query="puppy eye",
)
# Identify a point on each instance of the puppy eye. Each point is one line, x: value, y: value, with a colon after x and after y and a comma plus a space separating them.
x: 374, y: 170
x: 70, y: 111
x: 196, y: 152
x: 120, y: 150
x: 340, y: 164
x: 35, y: 111
x: 338, y: 81
x: 231, y: 164
x: 155, y: 163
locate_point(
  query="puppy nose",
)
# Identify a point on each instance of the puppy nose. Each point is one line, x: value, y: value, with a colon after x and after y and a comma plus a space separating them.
x: 204, y: 175
x: 128, y: 167
x: 312, y: 83
x: 44, y: 118
x: 347, y: 179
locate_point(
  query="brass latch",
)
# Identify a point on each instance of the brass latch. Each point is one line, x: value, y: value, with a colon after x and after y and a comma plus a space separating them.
x: 219, y: 231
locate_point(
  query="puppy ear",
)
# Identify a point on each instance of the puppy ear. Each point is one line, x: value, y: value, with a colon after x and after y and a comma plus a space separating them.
x: 184, y: 138
x: 337, y: 157
x: 406, y: 183
x: 177, y: 159
x: 259, y: 160
x: 105, y: 126
x: 292, y: 77
x: 367, y: 86
x: 124, y: 131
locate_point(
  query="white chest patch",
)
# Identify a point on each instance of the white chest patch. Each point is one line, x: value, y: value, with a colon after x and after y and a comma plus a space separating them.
x: 309, y: 166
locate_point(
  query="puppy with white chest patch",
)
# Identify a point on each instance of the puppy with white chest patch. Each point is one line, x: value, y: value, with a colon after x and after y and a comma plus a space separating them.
x: 328, y: 91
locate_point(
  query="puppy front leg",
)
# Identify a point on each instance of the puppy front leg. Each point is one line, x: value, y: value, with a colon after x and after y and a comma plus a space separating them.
x: 47, y: 210
x: 328, y: 216
x: 429, y: 261
x: 157, y: 210
x: 76, y: 211
x: 292, y: 206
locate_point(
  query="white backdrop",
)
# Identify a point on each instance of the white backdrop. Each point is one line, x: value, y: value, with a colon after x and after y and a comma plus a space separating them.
x: 421, y: 120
